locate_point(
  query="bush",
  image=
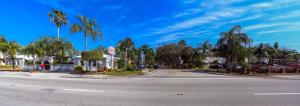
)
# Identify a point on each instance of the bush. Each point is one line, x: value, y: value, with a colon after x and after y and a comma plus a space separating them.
x: 78, y: 70
x: 121, y: 63
x: 91, y: 55
x: 130, y: 67
x: 9, y: 68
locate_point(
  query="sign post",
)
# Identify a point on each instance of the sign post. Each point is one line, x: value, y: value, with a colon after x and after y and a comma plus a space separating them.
x: 111, y: 52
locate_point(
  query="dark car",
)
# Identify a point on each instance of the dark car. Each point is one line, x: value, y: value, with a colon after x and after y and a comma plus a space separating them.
x: 156, y: 66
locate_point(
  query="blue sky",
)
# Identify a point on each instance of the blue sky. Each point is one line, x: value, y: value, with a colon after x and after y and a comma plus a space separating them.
x: 156, y: 22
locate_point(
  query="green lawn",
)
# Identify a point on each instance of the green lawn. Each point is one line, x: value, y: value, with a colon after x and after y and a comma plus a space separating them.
x: 124, y: 73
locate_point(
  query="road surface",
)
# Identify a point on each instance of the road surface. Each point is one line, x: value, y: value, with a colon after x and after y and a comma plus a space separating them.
x: 212, y: 90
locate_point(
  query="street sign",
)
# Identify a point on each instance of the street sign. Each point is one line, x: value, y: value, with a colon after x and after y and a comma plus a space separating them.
x: 111, y: 50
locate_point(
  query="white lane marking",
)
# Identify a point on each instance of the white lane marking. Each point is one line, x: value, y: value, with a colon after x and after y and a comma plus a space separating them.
x: 261, y: 94
x: 83, y: 90
x: 201, y: 78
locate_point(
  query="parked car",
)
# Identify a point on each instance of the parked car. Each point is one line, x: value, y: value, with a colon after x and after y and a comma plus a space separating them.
x: 156, y: 66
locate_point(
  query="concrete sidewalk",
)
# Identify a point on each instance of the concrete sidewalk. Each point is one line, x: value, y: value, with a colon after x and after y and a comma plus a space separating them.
x: 288, y: 77
x: 50, y: 75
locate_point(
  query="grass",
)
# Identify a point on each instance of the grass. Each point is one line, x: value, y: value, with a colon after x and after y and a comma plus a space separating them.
x: 124, y: 73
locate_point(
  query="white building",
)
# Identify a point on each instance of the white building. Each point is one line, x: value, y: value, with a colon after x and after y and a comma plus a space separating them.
x: 105, y: 62
x: 19, y: 60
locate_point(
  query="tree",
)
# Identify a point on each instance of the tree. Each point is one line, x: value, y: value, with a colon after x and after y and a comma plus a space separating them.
x: 59, y: 18
x: 63, y: 49
x: 229, y: 44
x: 182, y: 43
x: 205, y: 49
x: 127, y: 46
x: 33, y: 50
x: 3, y: 47
x: 169, y: 54
x: 261, y: 51
x: 89, y: 27
x: 10, y: 49
x: 149, y: 55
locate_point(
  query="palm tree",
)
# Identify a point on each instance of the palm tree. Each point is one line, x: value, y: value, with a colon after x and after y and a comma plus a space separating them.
x: 59, y: 18
x: 229, y: 44
x: 2, y: 39
x: 11, y: 51
x: 128, y: 45
x: 206, y: 48
x: 182, y: 43
x: 63, y: 49
x: 33, y: 50
x: 89, y: 27
x: 148, y: 54
x: 3, y: 47
x: 274, y: 52
x: 261, y: 51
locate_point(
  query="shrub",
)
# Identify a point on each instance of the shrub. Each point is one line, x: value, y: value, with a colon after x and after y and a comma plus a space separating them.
x: 78, y: 70
x: 91, y: 55
x: 130, y: 67
x: 9, y: 68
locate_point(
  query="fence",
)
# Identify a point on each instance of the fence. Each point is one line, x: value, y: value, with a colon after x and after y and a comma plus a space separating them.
x: 58, y: 68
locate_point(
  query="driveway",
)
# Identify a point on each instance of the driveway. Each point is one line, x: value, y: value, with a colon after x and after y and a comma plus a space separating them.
x: 184, y: 73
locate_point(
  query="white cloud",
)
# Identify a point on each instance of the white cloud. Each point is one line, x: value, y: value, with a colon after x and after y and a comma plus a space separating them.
x: 197, y: 21
x: 261, y: 5
x: 256, y: 16
x: 277, y: 31
x: 292, y: 14
x: 181, y: 35
x: 189, y: 1
x: 188, y: 12
x: 262, y: 26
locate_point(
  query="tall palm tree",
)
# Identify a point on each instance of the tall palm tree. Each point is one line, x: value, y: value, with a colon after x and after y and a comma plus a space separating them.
x: 89, y: 27
x: 230, y: 42
x: 129, y: 47
x: 59, y: 18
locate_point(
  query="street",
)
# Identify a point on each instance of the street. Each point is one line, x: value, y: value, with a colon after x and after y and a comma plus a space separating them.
x: 203, y: 90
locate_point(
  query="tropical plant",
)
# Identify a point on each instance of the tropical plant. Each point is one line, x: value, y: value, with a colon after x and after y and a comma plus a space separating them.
x: 182, y: 43
x: 10, y: 50
x: 229, y: 44
x: 127, y: 47
x: 63, y: 49
x: 59, y: 18
x: 261, y: 51
x: 89, y: 27
x: 34, y: 51
x: 149, y: 55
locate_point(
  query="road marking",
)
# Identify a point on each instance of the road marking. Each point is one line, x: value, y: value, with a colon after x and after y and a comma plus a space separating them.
x: 83, y: 90
x: 198, y: 78
x: 262, y: 94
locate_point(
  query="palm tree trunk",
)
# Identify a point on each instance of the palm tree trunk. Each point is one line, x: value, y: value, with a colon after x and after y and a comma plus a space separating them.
x: 34, y: 66
x: 86, y: 42
x: 58, y: 28
x: 86, y: 45
x: 13, y: 64
x: 126, y: 55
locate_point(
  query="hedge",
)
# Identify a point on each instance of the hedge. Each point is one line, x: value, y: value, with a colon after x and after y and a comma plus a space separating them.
x: 91, y: 55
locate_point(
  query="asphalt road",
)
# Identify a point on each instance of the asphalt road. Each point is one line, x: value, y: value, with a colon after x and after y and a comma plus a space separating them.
x: 212, y: 90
